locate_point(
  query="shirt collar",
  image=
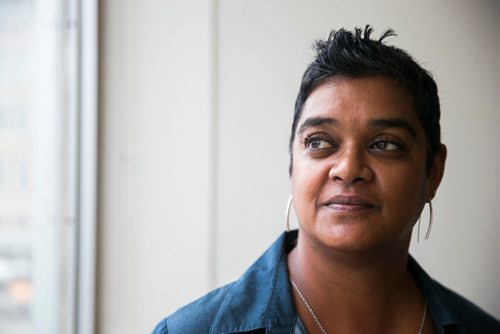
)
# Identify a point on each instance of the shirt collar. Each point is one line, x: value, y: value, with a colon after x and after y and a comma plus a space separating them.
x: 267, y: 303
x: 443, y: 314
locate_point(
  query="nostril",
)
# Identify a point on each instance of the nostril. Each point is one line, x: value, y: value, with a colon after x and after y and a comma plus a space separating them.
x: 359, y: 179
x: 350, y: 174
x: 351, y: 166
x: 349, y: 181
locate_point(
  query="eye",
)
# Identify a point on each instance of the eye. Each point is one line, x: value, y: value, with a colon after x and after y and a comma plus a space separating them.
x: 317, y: 143
x: 387, y: 145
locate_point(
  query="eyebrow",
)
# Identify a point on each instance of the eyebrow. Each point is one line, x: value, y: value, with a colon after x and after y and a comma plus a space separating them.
x: 381, y: 123
x: 394, y: 123
x: 316, y: 121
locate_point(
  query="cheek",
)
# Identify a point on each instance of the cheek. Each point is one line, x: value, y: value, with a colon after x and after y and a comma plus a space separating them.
x: 404, y: 191
x: 307, y: 181
x: 303, y: 199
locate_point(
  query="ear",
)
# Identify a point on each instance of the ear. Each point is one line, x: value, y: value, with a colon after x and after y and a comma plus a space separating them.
x: 437, y: 171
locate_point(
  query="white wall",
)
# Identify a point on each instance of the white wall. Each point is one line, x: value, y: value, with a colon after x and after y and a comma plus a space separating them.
x: 158, y: 188
x: 154, y: 177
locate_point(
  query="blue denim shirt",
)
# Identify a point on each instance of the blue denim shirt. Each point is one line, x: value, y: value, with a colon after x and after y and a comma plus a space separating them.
x: 261, y: 302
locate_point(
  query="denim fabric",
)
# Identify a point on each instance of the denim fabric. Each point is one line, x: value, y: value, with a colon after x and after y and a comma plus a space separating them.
x: 261, y: 302
x: 299, y: 327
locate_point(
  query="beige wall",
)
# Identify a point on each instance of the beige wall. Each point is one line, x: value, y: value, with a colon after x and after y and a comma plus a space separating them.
x: 196, y: 106
x: 154, y: 180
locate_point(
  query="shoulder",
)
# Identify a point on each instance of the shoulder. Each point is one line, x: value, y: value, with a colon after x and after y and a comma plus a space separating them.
x: 473, y: 318
x: 449, y: 309
x: 259, y: 300
x: 196, y: 317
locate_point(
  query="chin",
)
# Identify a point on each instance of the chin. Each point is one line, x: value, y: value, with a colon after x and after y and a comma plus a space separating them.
x: 355, y: 240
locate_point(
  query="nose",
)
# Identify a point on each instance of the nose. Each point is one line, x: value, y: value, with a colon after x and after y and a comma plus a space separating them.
x: 350, y: 166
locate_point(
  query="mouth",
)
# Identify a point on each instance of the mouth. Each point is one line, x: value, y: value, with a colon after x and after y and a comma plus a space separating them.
x: 349, y: 203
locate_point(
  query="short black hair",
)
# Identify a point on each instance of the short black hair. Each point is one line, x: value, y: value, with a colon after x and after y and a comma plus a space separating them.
x: 353, y: 54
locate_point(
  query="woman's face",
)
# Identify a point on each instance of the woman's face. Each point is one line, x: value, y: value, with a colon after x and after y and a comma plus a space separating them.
x: 359, y: 165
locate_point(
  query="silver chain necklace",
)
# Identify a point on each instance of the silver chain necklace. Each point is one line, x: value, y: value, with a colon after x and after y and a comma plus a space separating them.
x: 320, y: 326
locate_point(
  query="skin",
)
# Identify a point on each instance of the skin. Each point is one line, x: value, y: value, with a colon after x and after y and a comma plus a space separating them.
x: 359, y: 183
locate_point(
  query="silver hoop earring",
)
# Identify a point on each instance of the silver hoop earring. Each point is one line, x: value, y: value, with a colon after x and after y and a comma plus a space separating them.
x: 429, y: 227
x: 287, y: 213
x: 418, y: 228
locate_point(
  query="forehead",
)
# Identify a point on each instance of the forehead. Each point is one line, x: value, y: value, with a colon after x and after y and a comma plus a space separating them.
x: 359, y: 99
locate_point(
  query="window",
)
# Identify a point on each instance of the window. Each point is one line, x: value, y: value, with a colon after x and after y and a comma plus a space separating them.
x: 16, y: 191
x: 47, y: 165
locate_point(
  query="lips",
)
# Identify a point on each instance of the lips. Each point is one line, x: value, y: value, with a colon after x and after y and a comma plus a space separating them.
x: 349, y: 203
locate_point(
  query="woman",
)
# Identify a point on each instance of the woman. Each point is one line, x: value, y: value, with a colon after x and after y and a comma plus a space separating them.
x: 366, y: 157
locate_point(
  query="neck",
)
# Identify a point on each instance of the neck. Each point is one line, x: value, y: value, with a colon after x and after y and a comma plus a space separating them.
x: 369, y: 288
